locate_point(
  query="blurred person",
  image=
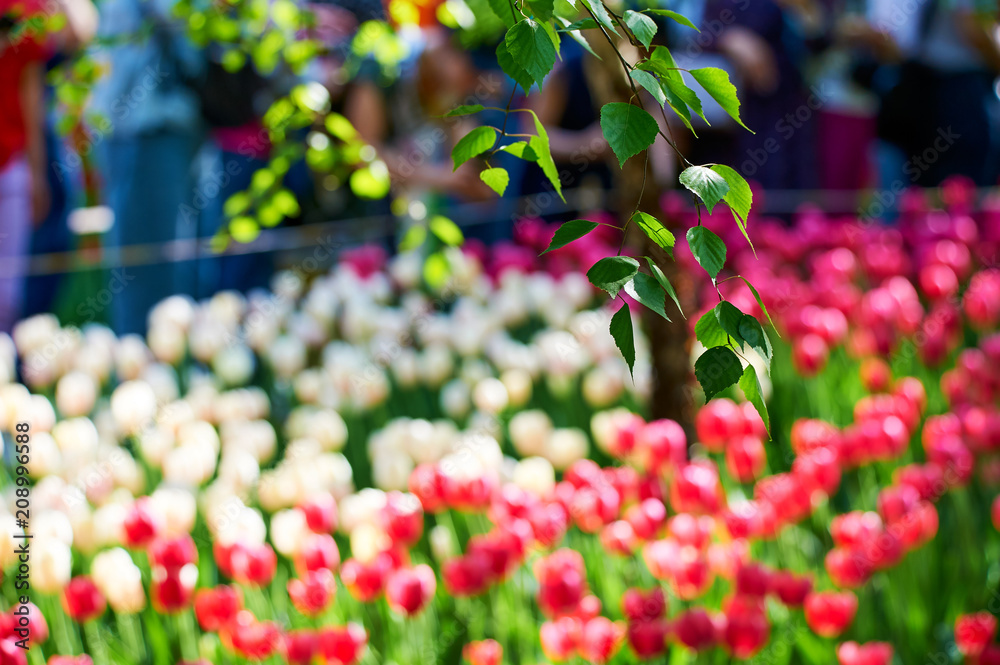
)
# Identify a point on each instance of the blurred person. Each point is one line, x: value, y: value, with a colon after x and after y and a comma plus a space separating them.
x: 401, y: 120
x: 52, y: 233
x: 569, y: 105
x: 24, y: 192
x: 933, y: 70
x: 762, y: 44
x: 149, y: 157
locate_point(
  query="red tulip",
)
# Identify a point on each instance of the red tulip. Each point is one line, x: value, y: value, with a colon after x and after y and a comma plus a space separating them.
x: 560, y: 638
x: 314, y: 592
x: 600, y: 639
x: 142, y: 523
x: 696, y: 629
x: 11, y: 654
x: 321, y: 512
x: 745, y: 458
x: 790, y: 589
x: 467, y: 575
x: 829, y: 613
x: 173, y: 588
x: 299, y: 647
x: 252, y: 639
x: 253, y: 565
x: 644, y: 605
x: 25, y: 622
x: 216, y: 607
x: 753, y: 579
x: 410, y: 589
x: 646, y: 518
x: 870, y: 653
x: 875, y: 375
x: 173, y: 553
x: 747, y: 627
x: 402, y: 518
x: 82, y: 600
x: 561, y: 582
x: 483, y: 652
x: 974, y: 631
x: 718, y: 422
x: 318, y: 551
x: 427, y: 484
x: 696, y: 488
x: 661, y: 445
x: 343, y: 645
x: 366, y: 580
x: 619, y: 539
x: 809, y: 354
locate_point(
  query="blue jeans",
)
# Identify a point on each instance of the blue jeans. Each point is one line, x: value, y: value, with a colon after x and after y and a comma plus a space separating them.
x: 15, y: 232
x: 229, y: 173
x: 150, y: 184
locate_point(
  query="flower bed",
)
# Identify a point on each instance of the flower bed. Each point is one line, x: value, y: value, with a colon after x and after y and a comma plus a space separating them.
x: 355, y: 470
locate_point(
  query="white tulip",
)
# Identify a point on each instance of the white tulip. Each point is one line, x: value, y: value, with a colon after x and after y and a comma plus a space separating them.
x: 529, y: 431
x: 288, y: 531
x: 51, y: 565
x: 76, y: 394
x: 177, y: 508
x: 133, y: 405
x: 535, y: 474
x: 566, y: 446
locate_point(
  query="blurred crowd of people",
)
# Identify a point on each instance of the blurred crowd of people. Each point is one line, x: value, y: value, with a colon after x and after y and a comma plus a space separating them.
x: 842, y: 94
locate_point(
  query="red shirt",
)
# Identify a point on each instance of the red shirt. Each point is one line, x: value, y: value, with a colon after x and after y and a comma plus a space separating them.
x: 23, y: 45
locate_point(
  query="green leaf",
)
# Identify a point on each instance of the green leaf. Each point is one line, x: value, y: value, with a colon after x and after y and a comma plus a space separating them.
x: 739, y: 197
x: 602, y: 15
x: 753, y: 334
x: 680, y: 18
x: 709, y: 331
x: 512, y: 69
x: 665, y: 283
x: 647, y: 291
x: 689, y: 97
x: 570, y: 231
x: 750, y: 385
x: 655, y: 231
x: 612, y: 273
x: 574, y: 31
x: 708, y: 249
x: 496, y: 178
x: 532, y: 48
x: 716, y: 83
x: 446, y: 230
x: 543, y: 9
x: 504, y: 10
x: 521, y: 150
x: 650, y: 83
x: 582, y: 24
x: 729, y: 317
x: 706, y: 183
x: 465, y: 109
x: 760, y: 302
x: 621, y: 331
x: 437, y: 270
x: 413, y: 238
x: 540, y: 146
x: 717, y: 369
x: 628, y: 129
x: 643, y: 27
x: 475, y: 143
